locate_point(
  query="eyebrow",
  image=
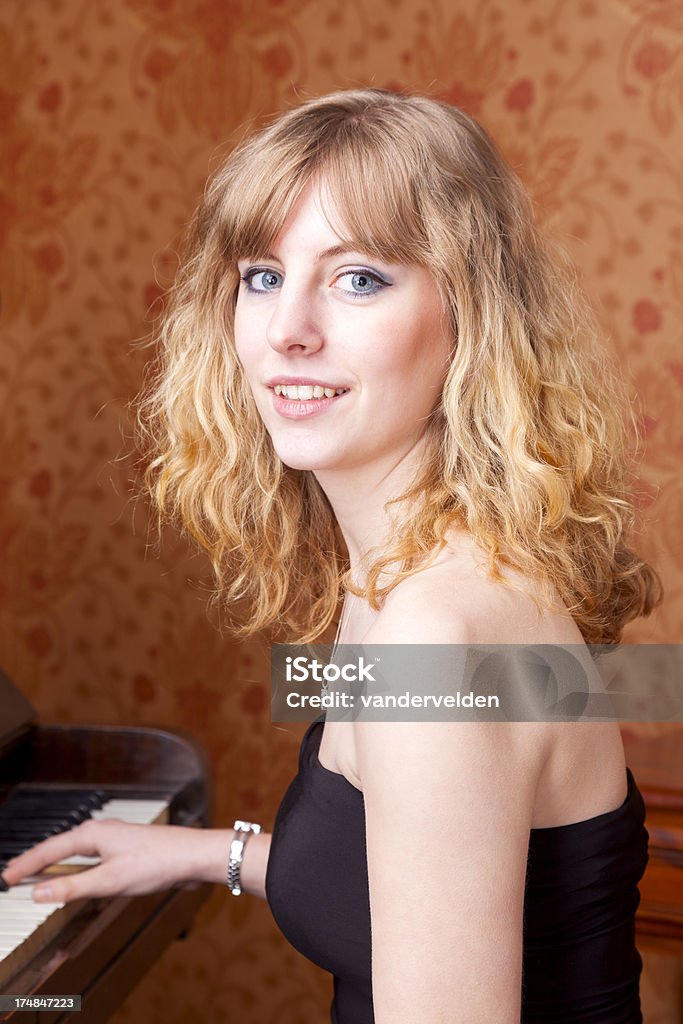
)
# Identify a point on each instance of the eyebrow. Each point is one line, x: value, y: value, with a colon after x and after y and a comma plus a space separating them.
x: 334, y: 250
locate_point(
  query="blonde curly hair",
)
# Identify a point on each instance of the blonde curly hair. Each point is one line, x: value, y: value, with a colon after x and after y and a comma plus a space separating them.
x: 527, y: 448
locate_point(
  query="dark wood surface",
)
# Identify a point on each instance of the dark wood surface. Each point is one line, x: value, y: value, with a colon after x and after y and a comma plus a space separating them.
x: 104, y: 952
x: 657, y: 766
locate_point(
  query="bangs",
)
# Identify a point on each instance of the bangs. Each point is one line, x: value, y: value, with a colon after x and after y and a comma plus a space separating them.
x: 370, y: 193
x: 377, y: 203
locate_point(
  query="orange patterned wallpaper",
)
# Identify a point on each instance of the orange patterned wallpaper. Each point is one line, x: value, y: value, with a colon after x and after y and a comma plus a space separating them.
x: 113, y: 114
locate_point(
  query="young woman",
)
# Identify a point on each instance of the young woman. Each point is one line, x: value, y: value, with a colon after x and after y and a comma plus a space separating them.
x: 377, y: 380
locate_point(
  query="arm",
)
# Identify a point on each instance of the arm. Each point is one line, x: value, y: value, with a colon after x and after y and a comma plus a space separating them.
x: 213, y: 863
x: 137, y: 859
x: 448, y: 810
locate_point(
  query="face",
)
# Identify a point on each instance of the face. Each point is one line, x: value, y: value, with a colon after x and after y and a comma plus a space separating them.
x: 345, y: 355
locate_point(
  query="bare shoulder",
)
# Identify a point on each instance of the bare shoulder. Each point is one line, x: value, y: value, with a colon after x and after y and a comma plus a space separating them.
x: 455, y: 601
x: 574, y: 770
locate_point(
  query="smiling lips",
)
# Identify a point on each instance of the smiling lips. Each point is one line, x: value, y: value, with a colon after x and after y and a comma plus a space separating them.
x: 304, y: 392
x: 304, y: 399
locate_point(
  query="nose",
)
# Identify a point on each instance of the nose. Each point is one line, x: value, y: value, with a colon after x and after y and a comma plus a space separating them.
x: 295, y: 325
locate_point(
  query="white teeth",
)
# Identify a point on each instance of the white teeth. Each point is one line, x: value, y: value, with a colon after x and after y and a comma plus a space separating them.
x: 304, y: 392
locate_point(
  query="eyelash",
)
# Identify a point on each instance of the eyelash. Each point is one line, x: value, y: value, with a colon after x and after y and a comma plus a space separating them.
x: 379, y: 281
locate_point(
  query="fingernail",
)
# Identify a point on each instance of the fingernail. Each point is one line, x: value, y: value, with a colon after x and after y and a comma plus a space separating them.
x: 42, y: 892
x: 3, y: 885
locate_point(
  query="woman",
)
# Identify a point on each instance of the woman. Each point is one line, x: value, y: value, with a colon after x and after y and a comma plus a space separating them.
x: 377, y: 378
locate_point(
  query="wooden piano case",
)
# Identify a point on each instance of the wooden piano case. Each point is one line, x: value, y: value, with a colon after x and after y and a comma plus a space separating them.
x: 657, y: 765
x: 104, y: 946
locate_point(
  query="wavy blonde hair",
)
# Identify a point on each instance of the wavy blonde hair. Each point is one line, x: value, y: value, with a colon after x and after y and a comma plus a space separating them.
x: 527, y: 448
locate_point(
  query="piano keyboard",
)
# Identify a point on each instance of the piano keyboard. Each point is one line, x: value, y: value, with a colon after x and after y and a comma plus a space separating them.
x: 25, y: 926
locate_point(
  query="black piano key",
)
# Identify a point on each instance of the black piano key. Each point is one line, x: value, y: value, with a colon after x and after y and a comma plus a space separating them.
x: 46, y: 801
x: 35, y: 801
x: 13, y: 847
x: 30, y: 825
x: 74, y: 815
x: 89, y: 796
x: 47, y: 798
x: 33, y: 821
x: 38, y: 833
x: 23, y: 809
x: 95, y: 799
x: 18, y: 844
x: 35, y: 834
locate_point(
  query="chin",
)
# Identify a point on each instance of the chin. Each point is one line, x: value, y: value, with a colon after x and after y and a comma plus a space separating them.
x: 303, y: 462
x: 297, y: 459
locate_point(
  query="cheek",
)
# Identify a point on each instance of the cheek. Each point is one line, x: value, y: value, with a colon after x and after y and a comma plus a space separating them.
x: 245, y: 347
x: 435, y: 348
x: 420, y: 352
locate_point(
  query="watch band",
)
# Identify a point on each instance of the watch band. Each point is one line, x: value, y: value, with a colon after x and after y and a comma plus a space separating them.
x: 243, y: 830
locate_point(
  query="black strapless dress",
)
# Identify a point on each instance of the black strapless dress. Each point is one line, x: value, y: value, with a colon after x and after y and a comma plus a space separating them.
x: 580, y: 962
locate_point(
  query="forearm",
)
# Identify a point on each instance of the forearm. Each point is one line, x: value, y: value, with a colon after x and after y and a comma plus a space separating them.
x: 211, y: 859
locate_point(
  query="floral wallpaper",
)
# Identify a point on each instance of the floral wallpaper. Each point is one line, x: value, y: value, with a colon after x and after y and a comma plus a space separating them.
x: 113, y: 114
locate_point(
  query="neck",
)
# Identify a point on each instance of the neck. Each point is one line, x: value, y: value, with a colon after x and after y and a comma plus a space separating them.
x: 358, y: 498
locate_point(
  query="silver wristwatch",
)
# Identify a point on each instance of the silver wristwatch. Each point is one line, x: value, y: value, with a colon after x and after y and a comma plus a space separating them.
x: 243, y: 829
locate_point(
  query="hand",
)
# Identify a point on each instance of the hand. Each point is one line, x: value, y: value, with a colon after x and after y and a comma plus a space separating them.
x: 135, y: 859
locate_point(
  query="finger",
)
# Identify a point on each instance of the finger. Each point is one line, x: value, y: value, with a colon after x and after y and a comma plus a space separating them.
x: 87, y: 884
x: 79, y: 840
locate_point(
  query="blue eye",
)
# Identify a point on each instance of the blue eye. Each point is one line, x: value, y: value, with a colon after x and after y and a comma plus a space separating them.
x: 270, y: 280
x: 261, y: 280
x: 363, y: 282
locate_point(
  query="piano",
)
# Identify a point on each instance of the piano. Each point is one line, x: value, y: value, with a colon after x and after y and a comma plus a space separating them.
x: 98, y: 949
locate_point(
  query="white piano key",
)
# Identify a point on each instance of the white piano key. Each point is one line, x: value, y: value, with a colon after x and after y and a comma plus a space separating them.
x: 23, y: 922
x: 14, y: 932
x: 19, y: 913
x: 19, y: 892
x: 10, y: 941
x: 133, y: 812
x: 14, y: 906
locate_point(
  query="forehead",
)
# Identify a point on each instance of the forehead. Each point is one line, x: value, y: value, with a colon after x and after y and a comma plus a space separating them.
x: 316, y: 223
